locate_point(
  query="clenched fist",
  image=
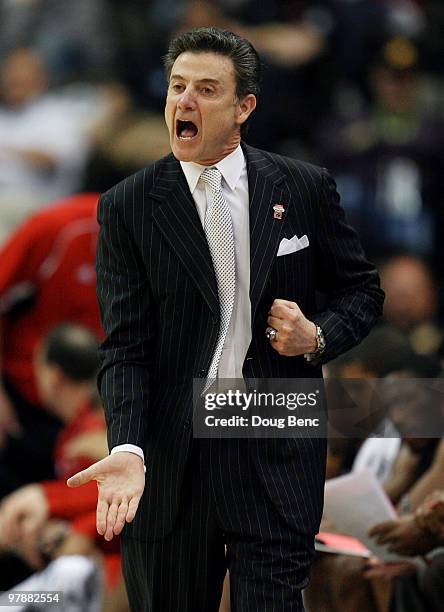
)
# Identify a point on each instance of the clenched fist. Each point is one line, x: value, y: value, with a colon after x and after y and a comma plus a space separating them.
x: 296, y: 335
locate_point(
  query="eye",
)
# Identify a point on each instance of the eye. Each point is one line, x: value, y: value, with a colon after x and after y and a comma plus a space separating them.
x: 206, y: 90
x: 177, y: 87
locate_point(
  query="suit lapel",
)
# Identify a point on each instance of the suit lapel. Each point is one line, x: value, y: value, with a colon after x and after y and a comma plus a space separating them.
x: 178, y: 220
x: 266, y: 186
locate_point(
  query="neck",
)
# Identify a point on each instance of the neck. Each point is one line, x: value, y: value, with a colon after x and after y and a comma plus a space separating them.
x: 229, y: 148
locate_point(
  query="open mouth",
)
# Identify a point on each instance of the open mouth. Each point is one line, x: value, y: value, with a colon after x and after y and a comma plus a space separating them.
x: 186, y: 130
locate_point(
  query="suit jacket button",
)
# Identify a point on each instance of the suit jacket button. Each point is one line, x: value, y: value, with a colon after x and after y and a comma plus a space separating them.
x: 202, y: 373
x: 187, y: 425
x: 214, y: 320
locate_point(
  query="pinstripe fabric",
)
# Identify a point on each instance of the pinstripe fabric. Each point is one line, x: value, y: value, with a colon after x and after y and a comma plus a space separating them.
x: 183, y: 571
x: 222, y: 501
x: 158, y: 299
x: 268, y: 559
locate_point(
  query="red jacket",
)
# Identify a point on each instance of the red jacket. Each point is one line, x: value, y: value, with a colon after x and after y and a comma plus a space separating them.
x: 65, y: 502
x: 79, y: 505
x: 47, y: 264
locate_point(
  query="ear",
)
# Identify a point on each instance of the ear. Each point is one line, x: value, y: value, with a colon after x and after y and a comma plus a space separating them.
x: 245, y: 107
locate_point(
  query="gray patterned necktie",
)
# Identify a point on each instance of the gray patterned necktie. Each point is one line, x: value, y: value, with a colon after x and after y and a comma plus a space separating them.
x: 218, y: 229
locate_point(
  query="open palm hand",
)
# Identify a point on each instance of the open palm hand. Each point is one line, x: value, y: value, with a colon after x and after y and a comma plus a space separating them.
x: 120, y: 481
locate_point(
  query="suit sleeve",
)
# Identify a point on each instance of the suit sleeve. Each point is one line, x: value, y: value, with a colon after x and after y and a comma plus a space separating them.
x: 124, y: 298
x: 345, y: 276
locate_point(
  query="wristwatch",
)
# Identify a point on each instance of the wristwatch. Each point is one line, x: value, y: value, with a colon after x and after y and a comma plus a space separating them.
x: 320, y: 346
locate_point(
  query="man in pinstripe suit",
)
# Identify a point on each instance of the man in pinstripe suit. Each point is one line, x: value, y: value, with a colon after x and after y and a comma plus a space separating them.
x: 164, y: 299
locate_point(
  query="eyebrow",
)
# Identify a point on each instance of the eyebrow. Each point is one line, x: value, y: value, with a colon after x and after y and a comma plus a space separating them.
x: 205, y: 80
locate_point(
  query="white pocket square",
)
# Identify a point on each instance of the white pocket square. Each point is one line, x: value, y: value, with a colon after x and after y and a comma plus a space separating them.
x: 292, y: 245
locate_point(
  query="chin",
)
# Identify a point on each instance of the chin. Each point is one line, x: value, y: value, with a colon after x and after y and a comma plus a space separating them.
x: 184, y: 153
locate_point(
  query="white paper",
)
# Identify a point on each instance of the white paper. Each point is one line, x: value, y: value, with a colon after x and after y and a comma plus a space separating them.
x: 355, y: 503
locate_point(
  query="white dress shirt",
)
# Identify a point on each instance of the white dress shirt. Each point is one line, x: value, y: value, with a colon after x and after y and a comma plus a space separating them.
x: 233, y: 169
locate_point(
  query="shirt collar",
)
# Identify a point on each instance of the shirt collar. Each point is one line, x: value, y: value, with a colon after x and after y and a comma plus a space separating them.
x: 230, y: 167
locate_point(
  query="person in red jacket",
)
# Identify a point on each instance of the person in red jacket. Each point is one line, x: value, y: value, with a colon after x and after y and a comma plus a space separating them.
x: 66, y: 365
x: 46, y: 278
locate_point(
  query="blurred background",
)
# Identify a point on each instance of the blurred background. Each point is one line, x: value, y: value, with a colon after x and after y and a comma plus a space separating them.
x: 353, y: 85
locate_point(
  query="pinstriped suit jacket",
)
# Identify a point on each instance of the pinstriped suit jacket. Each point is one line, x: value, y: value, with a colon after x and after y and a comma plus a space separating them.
x: 158, y: 299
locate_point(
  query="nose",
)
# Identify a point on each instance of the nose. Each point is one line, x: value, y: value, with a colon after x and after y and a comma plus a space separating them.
x: 187, y: 101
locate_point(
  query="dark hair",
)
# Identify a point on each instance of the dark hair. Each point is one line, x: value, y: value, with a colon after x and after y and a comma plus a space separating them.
x: 377, y: 351
x: 74, y: 350
x: 246, y: 62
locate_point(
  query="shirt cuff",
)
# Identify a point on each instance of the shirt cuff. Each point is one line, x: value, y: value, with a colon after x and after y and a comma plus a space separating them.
x: 130, y: 448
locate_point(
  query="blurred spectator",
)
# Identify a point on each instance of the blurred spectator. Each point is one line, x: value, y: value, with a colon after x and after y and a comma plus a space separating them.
x: 66, y: 367
x: 42, y: 149
x: 75, y: 38
x: 46, y: 277
x: 75, y: 576
x: 408, y: 392
x: 387, y: 156
x: 418, y: 587
x: 411, y: 301
x: 123, y: 139
x: 358, y: 23
x: 337, y: 582
x: 355, y: 411
x: 402, y: 451
x: 143, y: 30
x: 417, y: 533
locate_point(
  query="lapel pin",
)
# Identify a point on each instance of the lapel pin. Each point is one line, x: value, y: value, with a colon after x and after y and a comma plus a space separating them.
x: 278, y: 211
